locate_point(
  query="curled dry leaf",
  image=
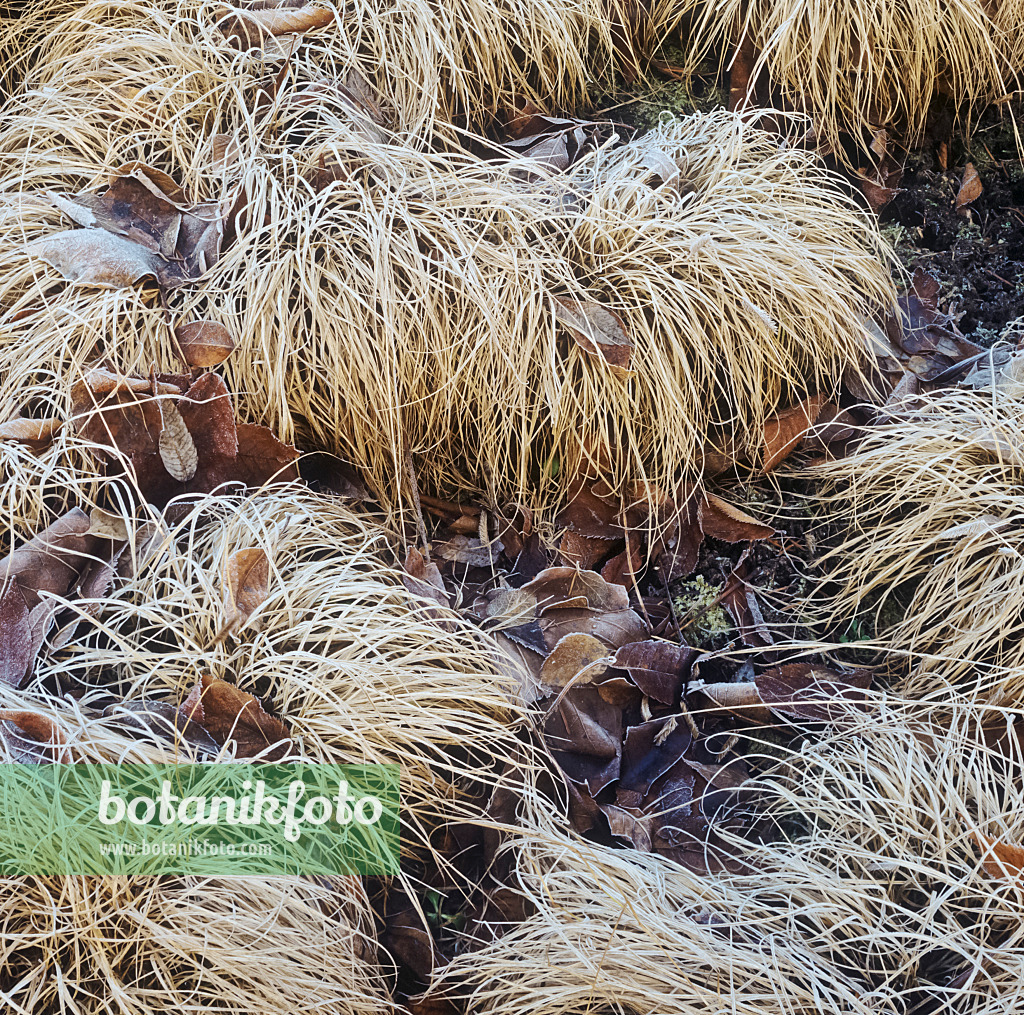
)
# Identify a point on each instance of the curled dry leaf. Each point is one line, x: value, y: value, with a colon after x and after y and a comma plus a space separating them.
x: 465, y: 550
x: 225, y: 152
x: 1000, y: 859
x: 970, y: 187
x: 597, y: 330
x: 228, y: 713
x: 252, y: 27
x: 30, y: 431
x: 423, y: 578
x: 30, y: 738
x: 204, y: 343
x: 175, y: 445
x: 246, y: 585
x: 163, y: 720
x: 784, y: 432
x: 722, y: 520
x: 584, y: 734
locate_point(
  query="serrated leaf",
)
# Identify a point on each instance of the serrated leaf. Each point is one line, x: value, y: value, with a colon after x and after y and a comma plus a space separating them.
x: 175, y: 444
x: 246, y: 584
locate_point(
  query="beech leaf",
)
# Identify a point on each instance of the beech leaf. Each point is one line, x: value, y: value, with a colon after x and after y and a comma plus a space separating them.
x: 1000, y: 859
x: 722, y: 520
x: 597, y: 330
x: 227, y: 712
x: 784, y: 431
x: 970, y: 186
x: 30, y: 431
x: 95, y: 257
x: 246, y: 585
x: 31, y: 738
x: 204, y: 343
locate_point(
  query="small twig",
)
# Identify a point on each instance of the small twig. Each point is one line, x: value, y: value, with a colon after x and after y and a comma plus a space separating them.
x: 421, y: 525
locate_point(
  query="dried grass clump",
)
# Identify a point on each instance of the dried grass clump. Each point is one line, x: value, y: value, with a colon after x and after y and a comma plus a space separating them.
x: 860, y: 66
x: 467, y: 62
x: 933, y: 556
x: 409, y: 304
x: 1009, y: 19
x: 360, y: 670
x: 876, y: 901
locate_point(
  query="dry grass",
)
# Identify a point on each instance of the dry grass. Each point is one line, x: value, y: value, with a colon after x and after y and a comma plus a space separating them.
x: 409, y: 304
x: 469, y: 62
x: 933, y: 556
x: 874, y: 902
x: 860, y: 65
x: 360, y: 670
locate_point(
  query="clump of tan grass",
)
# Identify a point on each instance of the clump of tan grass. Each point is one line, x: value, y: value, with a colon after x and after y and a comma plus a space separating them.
x: 408, y: 304
x: 932, y: 559
x: 873, y: 900
x: 470, y: 62
x: 360, y: 670
x: 862, y: 65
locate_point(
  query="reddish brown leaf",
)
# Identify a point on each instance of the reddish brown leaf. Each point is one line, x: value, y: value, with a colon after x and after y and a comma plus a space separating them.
x: 784, y: 432
x: 725, y: 521
x: 423, y: 579
x: 246, y: 585
x: 970, y: 187
x: 207, y: 411
x: 623, y: 567
x: 651, y: 749
x: 597, y: 330
x: 204, y: 343
x: 581, y: 551
x: 228, y: 713
x: 556, y: 586
x: 1000, y: 859
x: 51, y: 560
x: 252, y: 27
x: 30, y: 431
x: 31, y: 739
x: 809, y: 691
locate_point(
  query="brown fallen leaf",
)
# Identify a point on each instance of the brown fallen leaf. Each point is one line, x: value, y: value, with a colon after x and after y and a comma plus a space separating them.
x: 204, y: 343
x: 785, y: 430
x: 465, y: 550
x: 30, y: 431
x: 51, y: 560
x: 597, y: 330
x: 21, y: 634
x: 741, y: 698
x: 94, y: 257
x: 970, y: 187
x: 252, y: 27
x: 881, y: 182
x: 658, y: 668
x: 228, y: 713
x: 577, y: 658
x: 175, y: 446
x: 623, y: 567
x: 424, y: 579
x: 246, y: 585
x: 812, y: 692
x: 584, y: 734
x: 1000, y: 859
x: 722, y: 520
x: 581, y: 551
x: 163, y: 720
x: 554, y: 587
x: 30, y: 738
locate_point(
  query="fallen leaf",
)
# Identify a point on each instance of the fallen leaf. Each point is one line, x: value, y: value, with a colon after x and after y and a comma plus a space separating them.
x: 94, y: 257
x: 650, y: 750
x: 812, y: 692
x: 204, y: 343
x: 584, y: 734
x: 631, y: 824
x: 1000, y: 859
x: 742, y: 699
x: 581, y: 551
x: 623, y: 567
x: 785, y: 430
x: 166, y: 721
x: 658, y: 668
x: 30, y: 431
x: 251, y: 27
x: 970, y: 187
x: 424, y: 579
x: 722, y: 520
x: 246, y: 585
x: 175, y: 445
x: 575, y: 655
x: 555, y: 586
x: 228, y: 713
x: 464, y: 550
x: 51, y: 560
x: 225, y: 151
x: 597, y: 330
x: 30, y: 738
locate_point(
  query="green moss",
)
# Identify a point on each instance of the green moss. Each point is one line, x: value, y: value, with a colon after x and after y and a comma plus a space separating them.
x: 700, y: 616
